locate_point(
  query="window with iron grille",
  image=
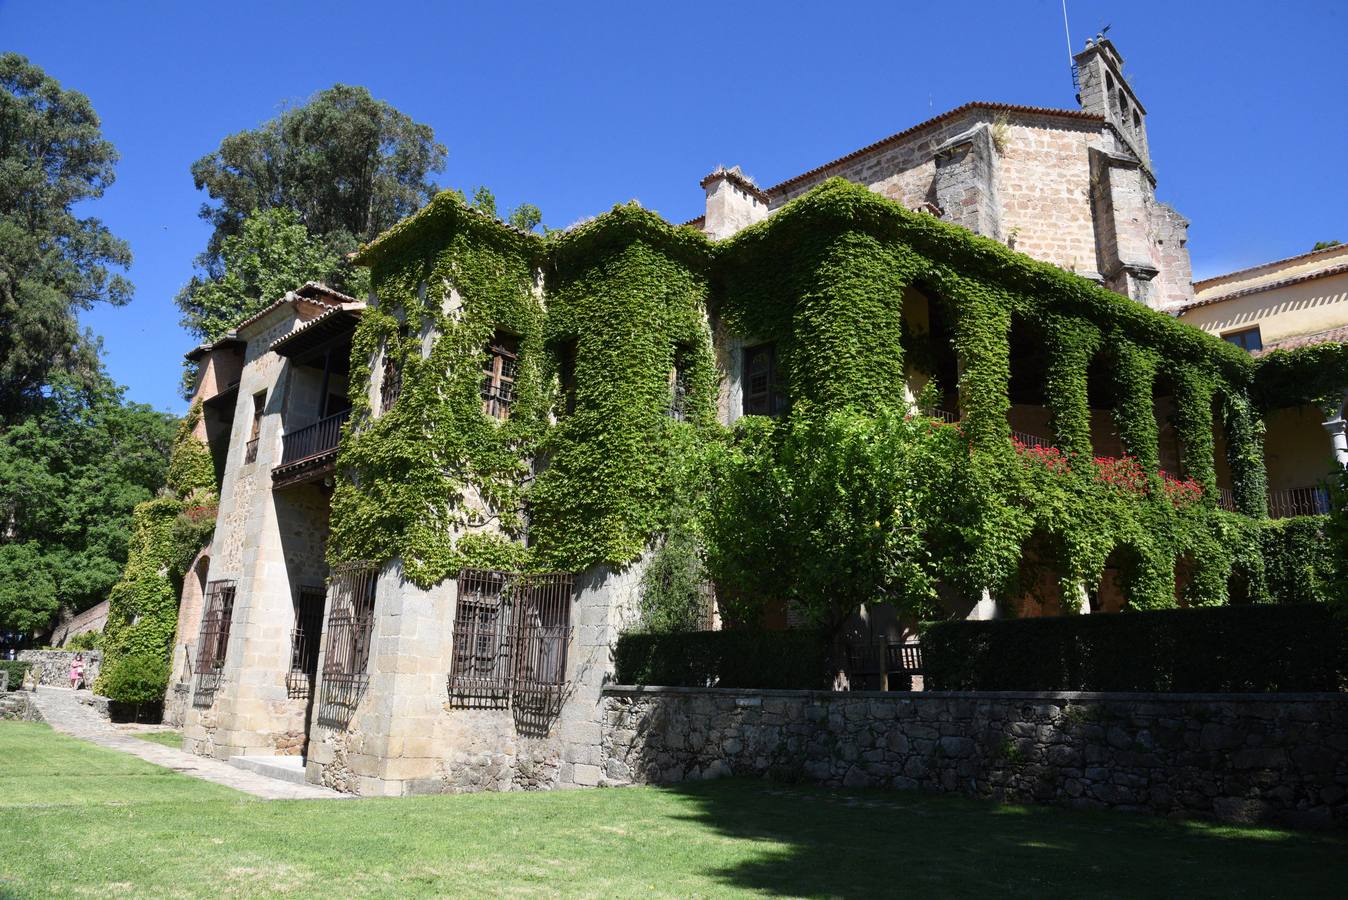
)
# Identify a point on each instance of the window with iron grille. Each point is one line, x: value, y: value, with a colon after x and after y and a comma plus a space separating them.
x: 215, y: 622
x: 304, y: 639
x: 510, y: 635
x: 351, y: 621
x: 498, y: 375
x: 250, y: 448
x: 391, y: 380
x: 763, y: 388
x: 566, y: 374
x: 679, y: 381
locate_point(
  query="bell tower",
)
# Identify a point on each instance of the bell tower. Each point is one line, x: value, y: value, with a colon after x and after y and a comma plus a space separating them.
x: 1103, y: 90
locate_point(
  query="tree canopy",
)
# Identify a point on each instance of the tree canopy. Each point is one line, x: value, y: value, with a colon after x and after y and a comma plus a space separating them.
x: 70, y: 473
x: 53, y: 263
x: 272, y: 253
x: 344, y: 165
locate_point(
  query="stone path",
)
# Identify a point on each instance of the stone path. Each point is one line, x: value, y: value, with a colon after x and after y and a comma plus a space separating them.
x: 62, y: 709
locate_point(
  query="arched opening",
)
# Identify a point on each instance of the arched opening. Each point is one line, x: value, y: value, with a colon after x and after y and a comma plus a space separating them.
x: 1221, y: 466
x: 1185, y: 568
x: 1238, y: 585
x: 1111, y: 594
x: 1037, y: 588
x: 929, y: 354
x: 1102, y: 397
x: 1029, y: 416
x: 1169, y: 454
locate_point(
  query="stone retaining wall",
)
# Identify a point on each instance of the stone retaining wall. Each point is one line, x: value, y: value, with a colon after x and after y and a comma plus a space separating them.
x: 1244, y: 758
x: 19, y: 706
x: 52, y: 667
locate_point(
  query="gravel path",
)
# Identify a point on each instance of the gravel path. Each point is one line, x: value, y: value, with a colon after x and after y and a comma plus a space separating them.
x: 63, y: 711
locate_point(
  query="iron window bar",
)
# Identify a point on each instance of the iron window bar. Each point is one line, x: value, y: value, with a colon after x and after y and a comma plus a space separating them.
x: 510, y: 637
x: 351, y: 623
x: 213, y: 640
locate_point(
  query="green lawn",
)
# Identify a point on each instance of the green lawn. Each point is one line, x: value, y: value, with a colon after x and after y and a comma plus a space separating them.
x: 172, y: 739
x: 82, y: 820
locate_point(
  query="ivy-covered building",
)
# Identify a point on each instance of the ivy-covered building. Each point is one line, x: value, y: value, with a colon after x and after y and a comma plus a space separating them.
x: 440, y: 507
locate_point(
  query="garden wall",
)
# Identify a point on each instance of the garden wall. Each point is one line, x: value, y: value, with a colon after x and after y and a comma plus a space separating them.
x: 1243, y: 758
x: 52, y: 667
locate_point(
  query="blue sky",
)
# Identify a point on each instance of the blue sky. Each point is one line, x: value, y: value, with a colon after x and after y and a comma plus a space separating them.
x: 575, y: 107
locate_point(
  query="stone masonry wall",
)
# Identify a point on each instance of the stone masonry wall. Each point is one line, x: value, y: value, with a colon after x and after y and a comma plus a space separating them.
x: 52, y: 667
x: 1253, y: 758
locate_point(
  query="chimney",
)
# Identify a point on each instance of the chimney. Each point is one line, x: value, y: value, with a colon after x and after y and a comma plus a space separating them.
x: 734, y: 202
x: 1104, y: 91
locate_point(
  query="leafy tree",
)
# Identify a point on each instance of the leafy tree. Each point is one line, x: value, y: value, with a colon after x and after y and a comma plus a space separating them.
x: 526, y: 217
x: 347, y: 164
x: 1325, y: 245
x: 341, y: 168
x: 485, y: 200
x: 70, y: 474
x: 53, y: 263
x: 272, y: 253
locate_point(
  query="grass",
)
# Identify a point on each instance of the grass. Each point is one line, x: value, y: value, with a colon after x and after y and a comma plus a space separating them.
x: 84, y: 820
x: 172, y: 739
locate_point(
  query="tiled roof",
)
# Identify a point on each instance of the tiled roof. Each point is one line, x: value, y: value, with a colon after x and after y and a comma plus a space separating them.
x: 736, y: 177
x: 1077, y: 114
x: 1323, y: 251
x: 1260, y: 288
x: 353, y: 309
x: 1331, y: 336
x: 309, y: 293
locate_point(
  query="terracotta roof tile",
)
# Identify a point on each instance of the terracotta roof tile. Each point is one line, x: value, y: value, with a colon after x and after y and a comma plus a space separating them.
x: 1260, y: 288
x: 1330, y: 336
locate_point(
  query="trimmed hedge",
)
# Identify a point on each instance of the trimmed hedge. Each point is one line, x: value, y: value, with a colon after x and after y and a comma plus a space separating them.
x: 16, y: 671
x: 1232, y: 649
x: 729, y: 659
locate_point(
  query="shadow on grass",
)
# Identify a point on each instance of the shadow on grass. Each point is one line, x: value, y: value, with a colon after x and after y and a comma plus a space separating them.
x: 819, y: 842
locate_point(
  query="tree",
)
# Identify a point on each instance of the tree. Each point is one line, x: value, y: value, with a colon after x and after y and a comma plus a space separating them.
x: 1325, y: 245
x: 348, y: 165
x: 526, y: 217
x: 53, y: 263
x: 272, y: 253
x: 70, y: 473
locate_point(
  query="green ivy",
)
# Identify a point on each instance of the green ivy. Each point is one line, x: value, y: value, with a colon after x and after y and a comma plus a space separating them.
x: 850, y: 488
x: 166, y: 534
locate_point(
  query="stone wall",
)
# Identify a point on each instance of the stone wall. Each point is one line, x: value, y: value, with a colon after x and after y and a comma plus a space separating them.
x: 92, y: 619
x: 52, y: 667
x: 1252, y: 758
x: 18, y: 706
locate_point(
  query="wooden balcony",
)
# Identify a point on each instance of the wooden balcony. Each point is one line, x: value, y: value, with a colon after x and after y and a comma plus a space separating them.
x: 310, y: 453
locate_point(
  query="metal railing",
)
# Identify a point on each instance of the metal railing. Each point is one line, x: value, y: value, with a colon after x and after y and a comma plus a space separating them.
x: 1307, y: 501
x: 313, y: 440
x: 944, y: 415
x: 1226, y: 499
x: 510, y: 635
x: 1030, y: 440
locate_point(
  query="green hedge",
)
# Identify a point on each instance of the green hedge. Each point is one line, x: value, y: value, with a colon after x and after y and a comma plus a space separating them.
x: 16, y: 671
x: 738, y: 659
x: 1218, y: 649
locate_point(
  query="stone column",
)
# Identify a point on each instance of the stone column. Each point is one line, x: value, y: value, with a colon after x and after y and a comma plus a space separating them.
x: 1338, y: 436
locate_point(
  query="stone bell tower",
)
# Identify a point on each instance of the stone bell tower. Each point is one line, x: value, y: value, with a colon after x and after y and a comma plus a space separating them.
x: 1141, y: 244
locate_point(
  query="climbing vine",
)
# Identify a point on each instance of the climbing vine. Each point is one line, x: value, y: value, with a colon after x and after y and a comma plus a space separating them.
x: 612, y: 449
x: 166, y: 533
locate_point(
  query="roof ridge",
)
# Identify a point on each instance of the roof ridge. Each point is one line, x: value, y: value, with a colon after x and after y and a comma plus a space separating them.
x: 1274, y: 262
x: 966, y: 107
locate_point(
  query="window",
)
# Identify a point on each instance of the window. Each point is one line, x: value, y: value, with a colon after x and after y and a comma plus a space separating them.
x: 304, y: 641
x: 351, y: 624
x: 566, y: 374
x: 498, y: 375
x: 1246, y: 339
x: 763, y: 394
x: 250, y: 448
x: 679, y: 383
x: 391, y: 381
x: 215, y: 622
x: 510, y: 635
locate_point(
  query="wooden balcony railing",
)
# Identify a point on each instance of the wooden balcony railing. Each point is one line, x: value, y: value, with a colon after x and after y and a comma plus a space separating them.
x: 1307, y: 501
x: 313, y: 440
